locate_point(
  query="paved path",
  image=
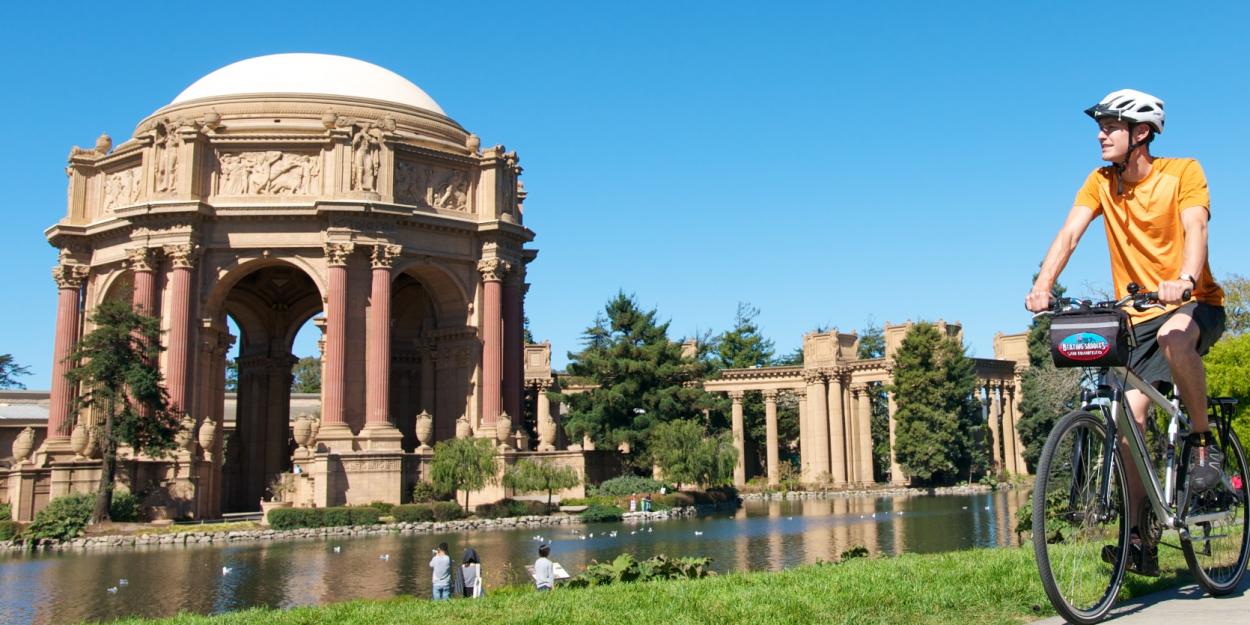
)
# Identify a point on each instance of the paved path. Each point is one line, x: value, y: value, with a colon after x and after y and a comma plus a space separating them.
x: 1187, y: 604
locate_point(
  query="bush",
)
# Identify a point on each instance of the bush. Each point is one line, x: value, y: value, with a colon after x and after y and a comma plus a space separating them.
x: 9, y: 530
x: 298, y: 518
x: 413, y: 513
x: 626, y: 569
x: 602, y: 514
x: 426, y: 492
x: 124, y: 508
x: 511, y: 508
x: 626, y: 485
x: 63, y: 518
x: 292, y: 518
x: 382, y: 507
x: 599, y: 500
x: 6, y: 512
x: 447, y: 511
x: 365, y: 515
x: 335, y: 517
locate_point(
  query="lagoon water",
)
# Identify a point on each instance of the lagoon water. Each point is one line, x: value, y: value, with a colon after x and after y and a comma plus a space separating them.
x: 60, y: 588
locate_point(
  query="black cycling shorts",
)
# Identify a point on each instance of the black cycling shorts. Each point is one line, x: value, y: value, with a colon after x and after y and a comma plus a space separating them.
x: 1147, y: 359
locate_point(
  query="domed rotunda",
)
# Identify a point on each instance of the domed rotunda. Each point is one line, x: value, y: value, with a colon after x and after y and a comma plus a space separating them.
x: 281, y: 189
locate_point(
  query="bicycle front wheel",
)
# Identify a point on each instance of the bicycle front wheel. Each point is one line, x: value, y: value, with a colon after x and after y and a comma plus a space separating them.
x: 1217, y: 549
x: 1079, y: 537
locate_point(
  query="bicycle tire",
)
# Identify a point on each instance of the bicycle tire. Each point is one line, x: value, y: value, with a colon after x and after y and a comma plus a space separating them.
x: 1219, y: 563
x: 1070, y: 530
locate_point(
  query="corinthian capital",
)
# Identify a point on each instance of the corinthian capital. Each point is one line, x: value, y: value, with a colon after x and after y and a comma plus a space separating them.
x: 140, y: 258
x: 384, y: 255
x: 493, y: 269
x: 337, y: 253
x: 182, y: 255
x: 737, y: 396
x: 813, y: 377
x: 69, y: 275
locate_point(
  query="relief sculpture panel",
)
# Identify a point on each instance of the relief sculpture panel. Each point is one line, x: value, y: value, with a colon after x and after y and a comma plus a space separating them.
x: 122, y: 188
x: 430, y: 187
x: 268, y: 173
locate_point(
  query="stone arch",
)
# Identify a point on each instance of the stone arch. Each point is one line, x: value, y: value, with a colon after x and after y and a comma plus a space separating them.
x: 450, y: 296
x: 269, y: 300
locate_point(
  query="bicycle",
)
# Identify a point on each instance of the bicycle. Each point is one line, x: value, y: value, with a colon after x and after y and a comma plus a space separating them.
x: 1080, y: 495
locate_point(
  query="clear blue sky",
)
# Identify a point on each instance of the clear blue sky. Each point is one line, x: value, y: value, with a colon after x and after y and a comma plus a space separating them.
x: 825, y: 163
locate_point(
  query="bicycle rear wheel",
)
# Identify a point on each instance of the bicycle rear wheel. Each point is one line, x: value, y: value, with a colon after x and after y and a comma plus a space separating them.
x: 1079, y: 541
x: 1217, y: 550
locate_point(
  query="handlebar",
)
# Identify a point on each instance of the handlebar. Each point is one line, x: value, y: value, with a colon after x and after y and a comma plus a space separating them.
x: 1139, y: 300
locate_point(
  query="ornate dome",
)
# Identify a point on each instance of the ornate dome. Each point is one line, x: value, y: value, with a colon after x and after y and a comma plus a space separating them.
x: 305, y: 73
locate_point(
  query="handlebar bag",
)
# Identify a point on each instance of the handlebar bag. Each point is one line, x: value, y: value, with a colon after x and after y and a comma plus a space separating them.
x: 1090, y: 339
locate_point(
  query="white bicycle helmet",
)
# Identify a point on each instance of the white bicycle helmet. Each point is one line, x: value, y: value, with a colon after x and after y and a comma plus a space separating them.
x: 1132, y: 106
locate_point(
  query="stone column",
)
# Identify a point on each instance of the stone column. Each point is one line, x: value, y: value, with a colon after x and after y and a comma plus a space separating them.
x: 182, y: 257
x: 896, y: 471
x: 334, y: 431
x: 740, y: 466
x: 863, y: 432
x: 838, y: 435
x: 800, y: 396
x: 1009, y: 443
x: 143, y: 270
x: 69, y: 280
x: 379, y: 432
x: 770, y: 437
x: 995, y: 421
x: 1014, y: 394
x: 493, y: 271
x: 817, y: 417
x: 514, y: 345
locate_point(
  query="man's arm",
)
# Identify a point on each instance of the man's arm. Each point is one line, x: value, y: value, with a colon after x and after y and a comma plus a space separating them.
x: 1194, y: 257
x: 1057, y: 257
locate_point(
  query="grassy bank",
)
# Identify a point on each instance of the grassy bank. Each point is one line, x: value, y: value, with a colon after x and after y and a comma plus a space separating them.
x: 967, y: 587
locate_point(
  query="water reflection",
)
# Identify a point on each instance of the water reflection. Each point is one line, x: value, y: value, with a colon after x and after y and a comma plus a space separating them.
x: 162, y: 581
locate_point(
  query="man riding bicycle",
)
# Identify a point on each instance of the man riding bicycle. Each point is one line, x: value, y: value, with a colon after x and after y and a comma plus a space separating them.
x: 1155, y: 211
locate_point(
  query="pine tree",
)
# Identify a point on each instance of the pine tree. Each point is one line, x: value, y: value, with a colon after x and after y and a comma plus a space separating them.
x: 9, y: 372
x: 306, y: 375
x: 640, y: 376
x: 938, y: 420
x: 744, y: 347
x: 120, y: 379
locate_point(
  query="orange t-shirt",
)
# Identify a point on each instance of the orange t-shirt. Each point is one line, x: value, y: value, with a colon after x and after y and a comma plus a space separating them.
x: 1144, y: 231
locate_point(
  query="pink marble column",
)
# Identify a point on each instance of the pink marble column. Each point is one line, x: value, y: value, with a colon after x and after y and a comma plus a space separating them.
x: 379, y: 431
x: 513, y: 350
x: 182, y: 260
x: 333, y: 425
x: 69, y: 280
x: 143, y: 270
x: 492, y: 270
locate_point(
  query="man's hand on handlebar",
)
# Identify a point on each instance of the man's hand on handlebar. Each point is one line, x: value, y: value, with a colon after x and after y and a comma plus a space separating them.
x: 1174, y: 291
x: 1039, y: 300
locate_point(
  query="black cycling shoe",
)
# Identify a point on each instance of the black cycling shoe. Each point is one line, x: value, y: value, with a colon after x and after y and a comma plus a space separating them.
x: 1142, y: 559
x: 1206, y: 464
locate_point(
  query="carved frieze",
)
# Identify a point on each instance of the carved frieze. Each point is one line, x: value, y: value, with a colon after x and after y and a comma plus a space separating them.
x: 430, y: 187
x: 269, y: 172
x: 122, y: 188
x: 367, y: 140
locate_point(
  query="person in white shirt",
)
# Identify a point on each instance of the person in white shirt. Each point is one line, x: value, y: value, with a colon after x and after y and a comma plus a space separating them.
x: 544, y: 570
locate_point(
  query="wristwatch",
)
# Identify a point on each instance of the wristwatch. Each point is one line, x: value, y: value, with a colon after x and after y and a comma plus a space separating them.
x: 1190, y: 277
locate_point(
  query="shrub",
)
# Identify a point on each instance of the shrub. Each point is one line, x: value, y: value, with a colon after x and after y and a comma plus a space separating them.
x: 289, y: 518
x: 511, y: 508
x: 601, y: 514
x: 6, y: 512
x: 336, y: 517
x: 365, y: 515
x: 447, y: 511
x: 382, y: 507
x: 599, y: 500
x: 673, y: 500
x: 63, y: 518
x: 857, y: 551
x: 626, y: 569
x: 413, y: 513
x: 626, y: 485
x: 9, y: 530
x: 427, y: 492
x: 125, y: 507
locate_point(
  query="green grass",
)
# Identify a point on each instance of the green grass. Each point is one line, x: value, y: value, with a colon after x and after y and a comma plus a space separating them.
x: 966, y: 587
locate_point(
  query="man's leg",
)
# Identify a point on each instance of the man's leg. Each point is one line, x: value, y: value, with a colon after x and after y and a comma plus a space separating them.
x: 1178, y: 338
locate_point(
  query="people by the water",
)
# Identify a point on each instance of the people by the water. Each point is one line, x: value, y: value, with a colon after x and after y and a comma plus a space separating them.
x: 470, y: 582
x: 544, y: 570
x: 440, y: 567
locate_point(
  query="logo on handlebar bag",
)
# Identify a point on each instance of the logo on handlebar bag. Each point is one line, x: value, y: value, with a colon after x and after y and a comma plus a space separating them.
x: 1084, y: 346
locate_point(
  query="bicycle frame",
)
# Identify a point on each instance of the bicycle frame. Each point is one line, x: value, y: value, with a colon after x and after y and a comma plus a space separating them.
x: 1118, y: 420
